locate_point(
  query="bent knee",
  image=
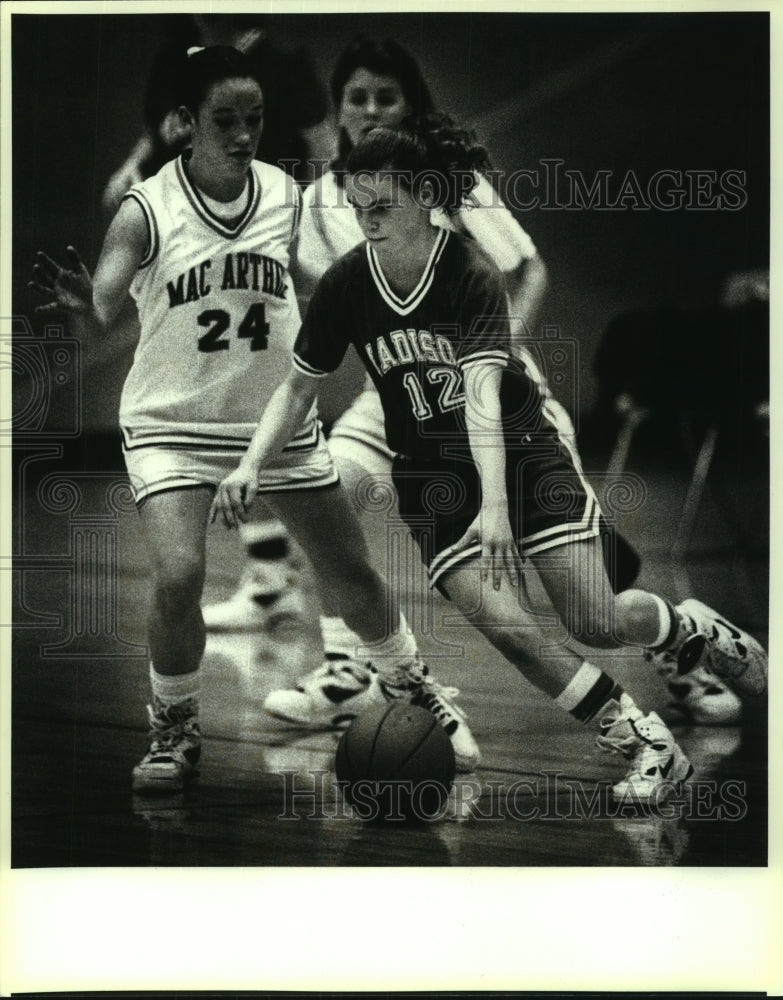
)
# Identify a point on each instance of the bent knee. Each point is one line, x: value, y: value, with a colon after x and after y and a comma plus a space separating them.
x: 637, y: 622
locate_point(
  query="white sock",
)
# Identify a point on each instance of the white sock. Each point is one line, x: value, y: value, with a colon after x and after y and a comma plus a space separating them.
x: 174, y: 689
x: 396, y: 650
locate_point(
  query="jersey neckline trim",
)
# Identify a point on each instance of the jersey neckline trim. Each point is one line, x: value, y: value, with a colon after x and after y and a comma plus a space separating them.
x: 208, y: 217
x: 405, y: 306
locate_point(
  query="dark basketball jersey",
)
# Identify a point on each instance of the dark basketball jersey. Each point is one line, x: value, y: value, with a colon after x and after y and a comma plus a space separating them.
x: 416, y: 349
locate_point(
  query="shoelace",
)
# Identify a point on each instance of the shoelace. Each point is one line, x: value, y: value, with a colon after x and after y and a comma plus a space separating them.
x: 627, y: 744
x: 168, y: 742
x: 171, y: 730
x: 438, y: 699
x: 165, y: 746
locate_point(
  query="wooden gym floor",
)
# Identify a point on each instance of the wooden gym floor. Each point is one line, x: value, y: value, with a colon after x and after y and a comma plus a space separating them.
x: 539, y: 797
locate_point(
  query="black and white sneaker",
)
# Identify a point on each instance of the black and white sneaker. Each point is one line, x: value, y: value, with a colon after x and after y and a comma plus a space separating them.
x: 174, y: 751
x: 731, y: 654
x: 658, y: 767
x: 330, y: 696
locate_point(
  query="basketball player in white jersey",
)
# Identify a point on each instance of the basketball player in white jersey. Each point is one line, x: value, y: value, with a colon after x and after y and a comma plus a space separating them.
x: 203, y: 248
x: 426, y: 312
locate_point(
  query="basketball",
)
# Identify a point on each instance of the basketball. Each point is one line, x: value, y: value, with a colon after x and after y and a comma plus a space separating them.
x: 396, y: 763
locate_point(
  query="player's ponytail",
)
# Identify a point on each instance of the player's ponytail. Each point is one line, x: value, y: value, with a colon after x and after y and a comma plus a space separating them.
x: 431, y: 149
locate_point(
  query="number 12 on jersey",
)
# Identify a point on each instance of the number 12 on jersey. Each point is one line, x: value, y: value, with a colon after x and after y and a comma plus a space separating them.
x: 451, y: 395
x: 254, y: 326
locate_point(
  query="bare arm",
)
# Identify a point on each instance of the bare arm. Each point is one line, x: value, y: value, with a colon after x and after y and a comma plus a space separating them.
x: 526, y: 284
x: 282, y: 417
x: 501, y: 237
x: 485, y: 434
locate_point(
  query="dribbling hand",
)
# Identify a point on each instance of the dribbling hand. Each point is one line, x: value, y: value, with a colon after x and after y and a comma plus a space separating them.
x: 233, y: 498
x: 66, y: 289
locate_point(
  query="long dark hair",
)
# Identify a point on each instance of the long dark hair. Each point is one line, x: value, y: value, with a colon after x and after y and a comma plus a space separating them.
x: 386, y: 58
x: 209, y: 66
x: 431, y: 148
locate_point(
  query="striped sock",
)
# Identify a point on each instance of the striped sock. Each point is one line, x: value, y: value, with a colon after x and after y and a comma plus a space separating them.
x: 588, y: 692
x: 672, y: 628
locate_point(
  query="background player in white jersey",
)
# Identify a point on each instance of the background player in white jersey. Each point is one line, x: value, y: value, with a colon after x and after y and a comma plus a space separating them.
x: 427, y: 314
x: 203, y: 247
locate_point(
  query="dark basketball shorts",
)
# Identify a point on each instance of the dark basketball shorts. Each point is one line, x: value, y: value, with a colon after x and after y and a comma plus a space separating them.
x: 550, y: 502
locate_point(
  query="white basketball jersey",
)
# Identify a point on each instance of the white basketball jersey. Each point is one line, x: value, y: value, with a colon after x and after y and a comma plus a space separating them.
x: 217, y: 309
x: 329, y: 228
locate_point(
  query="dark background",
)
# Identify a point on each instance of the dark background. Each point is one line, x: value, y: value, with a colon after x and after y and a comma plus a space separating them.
x: 634, y: 92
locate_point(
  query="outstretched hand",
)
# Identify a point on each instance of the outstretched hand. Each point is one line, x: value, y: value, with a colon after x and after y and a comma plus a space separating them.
x: 234, y: 497
x: 66, y: 289
x: 499, y: 554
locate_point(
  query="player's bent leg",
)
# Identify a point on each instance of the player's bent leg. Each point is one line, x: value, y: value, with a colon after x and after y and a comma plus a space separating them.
x: 515, y: 634
x: 174, y: 524
x: 656, y: 764
x: 675, y: 640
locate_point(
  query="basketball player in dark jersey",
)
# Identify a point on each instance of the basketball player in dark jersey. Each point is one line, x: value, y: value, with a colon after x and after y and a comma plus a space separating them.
x: 482, y: 475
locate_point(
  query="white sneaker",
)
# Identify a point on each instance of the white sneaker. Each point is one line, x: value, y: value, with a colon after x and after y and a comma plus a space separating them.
x: 416, y: 683
x: 174, y: 751
x: 268, y: 595
x: 657, y: 764
x: 335, y: 693
x: 332, y: 695
x: 727, y: 651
